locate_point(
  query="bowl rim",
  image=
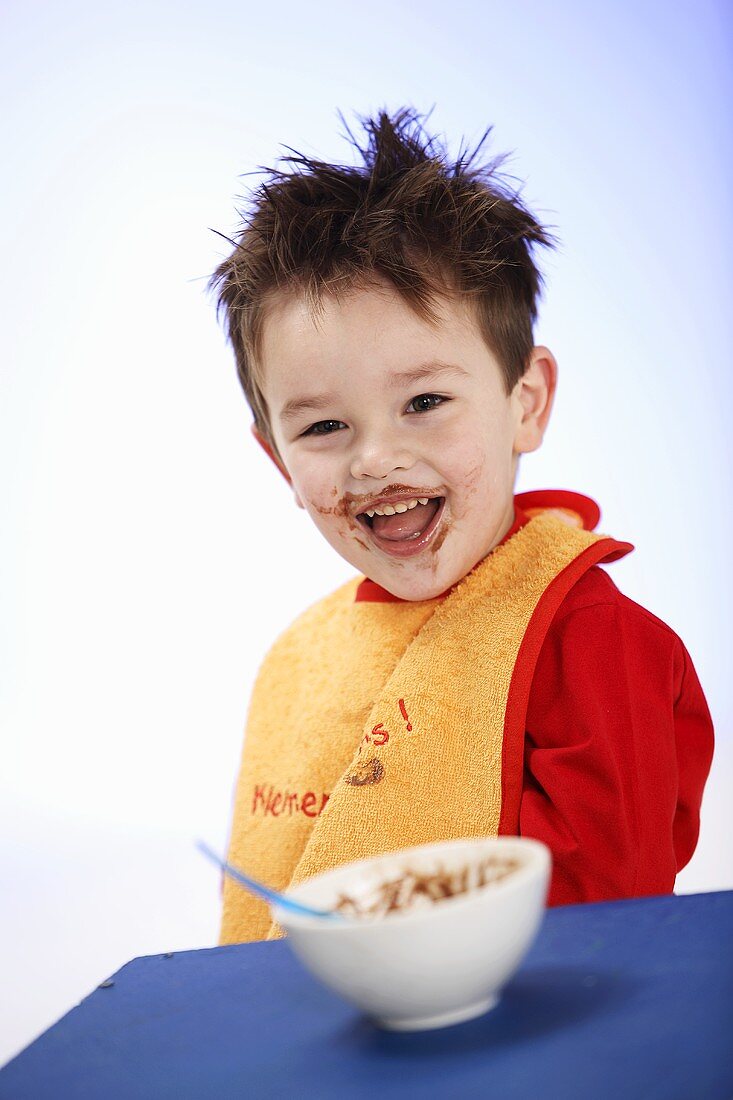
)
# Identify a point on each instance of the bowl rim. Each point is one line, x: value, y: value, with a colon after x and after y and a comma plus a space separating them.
x: 539, y: 859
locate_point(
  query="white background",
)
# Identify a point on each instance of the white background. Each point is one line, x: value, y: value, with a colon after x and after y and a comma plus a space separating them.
x: 149, y: 552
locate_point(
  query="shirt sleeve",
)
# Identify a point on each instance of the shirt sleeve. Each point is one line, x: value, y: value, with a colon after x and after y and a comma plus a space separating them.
x: 694, y: 740
x: 617, y: 749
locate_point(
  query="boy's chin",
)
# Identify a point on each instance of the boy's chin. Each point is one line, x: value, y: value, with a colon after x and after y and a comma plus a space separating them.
x: 413, y: 589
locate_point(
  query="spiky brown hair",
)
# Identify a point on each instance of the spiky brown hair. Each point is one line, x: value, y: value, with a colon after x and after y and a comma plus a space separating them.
x: 408, y: 214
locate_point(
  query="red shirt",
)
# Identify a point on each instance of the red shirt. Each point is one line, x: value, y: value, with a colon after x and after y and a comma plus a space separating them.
x: 618, y: 745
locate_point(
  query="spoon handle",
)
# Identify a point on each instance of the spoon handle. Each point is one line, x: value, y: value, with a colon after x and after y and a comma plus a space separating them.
x: 259, y: 888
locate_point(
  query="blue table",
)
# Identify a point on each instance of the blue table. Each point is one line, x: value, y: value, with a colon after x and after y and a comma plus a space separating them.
x: 630, y: 999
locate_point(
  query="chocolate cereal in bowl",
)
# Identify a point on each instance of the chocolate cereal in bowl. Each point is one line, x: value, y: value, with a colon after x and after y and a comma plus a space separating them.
x: 429, y: 935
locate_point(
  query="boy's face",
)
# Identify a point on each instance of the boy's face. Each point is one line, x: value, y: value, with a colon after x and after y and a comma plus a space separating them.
x: 373, y: 435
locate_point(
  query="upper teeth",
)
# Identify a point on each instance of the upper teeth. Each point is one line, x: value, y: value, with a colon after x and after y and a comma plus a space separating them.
x: 403, y: 506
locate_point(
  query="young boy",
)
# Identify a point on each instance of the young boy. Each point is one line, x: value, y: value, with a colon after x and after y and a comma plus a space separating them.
x: 481, y: 675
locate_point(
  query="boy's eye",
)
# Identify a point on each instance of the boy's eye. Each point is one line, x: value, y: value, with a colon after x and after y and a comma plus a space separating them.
x: 323, y: 427
x: 427, y: 397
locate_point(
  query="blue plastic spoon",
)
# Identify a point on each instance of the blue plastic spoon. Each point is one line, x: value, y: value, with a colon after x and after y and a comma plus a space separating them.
x: 262, y: 891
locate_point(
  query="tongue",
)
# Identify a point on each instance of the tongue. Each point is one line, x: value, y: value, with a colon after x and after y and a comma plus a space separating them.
x: 405, y: 525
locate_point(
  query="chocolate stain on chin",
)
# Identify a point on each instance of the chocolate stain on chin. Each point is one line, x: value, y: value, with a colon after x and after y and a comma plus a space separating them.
x: 446, y: 526
x: 343, y: 509
x: 471, y: 486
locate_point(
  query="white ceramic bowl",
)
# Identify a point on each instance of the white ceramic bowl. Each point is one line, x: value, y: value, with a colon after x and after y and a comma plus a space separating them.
x: 425, y: 967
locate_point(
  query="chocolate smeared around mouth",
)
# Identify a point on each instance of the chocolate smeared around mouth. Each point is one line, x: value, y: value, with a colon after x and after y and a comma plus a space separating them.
x: 403, y: 525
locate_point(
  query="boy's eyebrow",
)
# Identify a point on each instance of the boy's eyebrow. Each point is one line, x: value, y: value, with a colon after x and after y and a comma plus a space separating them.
x: 398, y: 381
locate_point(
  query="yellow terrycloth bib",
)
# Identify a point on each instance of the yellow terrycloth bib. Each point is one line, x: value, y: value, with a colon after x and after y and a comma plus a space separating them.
x: 376, y: 726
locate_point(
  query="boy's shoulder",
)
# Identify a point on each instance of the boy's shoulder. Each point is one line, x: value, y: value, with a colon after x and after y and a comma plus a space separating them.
x: 596, y: 616
x: 595, y: 588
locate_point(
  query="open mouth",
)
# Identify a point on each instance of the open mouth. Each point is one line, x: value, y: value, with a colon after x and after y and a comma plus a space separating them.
x: 405, y: 533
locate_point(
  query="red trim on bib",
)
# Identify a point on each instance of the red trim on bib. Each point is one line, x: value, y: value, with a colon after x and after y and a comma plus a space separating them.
x: 512, y: 765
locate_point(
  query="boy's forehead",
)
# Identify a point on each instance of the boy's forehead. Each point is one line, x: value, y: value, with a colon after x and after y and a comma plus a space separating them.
x: 363, y: 318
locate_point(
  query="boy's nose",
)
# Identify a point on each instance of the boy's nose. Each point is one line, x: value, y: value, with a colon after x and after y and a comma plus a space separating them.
x: 379, y: 458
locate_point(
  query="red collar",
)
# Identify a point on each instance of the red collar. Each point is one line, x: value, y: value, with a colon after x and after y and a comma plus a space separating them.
x: 526, y: 506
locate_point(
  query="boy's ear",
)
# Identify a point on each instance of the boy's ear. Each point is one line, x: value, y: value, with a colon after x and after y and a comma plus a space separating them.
x: 267, y: 448
x: 534, y: 394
